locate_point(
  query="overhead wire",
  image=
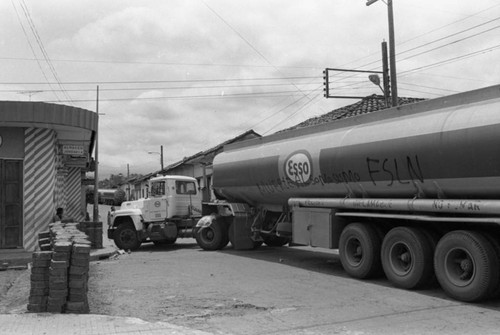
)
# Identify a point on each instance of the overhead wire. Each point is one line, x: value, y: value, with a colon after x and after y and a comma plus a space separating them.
x: 98, y: 82
x: 206, y: 96
x: 31, y: 47
x: 38, y: 39
x: 101, y: 61
x: 250, y: 45
x: 295, y: 112
x: 437, y: 40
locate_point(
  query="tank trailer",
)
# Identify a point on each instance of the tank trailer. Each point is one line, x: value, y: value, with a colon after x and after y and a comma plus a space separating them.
x: 411, y: 192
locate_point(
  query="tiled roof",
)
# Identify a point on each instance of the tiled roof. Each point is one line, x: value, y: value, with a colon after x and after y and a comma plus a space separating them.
x: 369, y: 104
x: 210, y: 153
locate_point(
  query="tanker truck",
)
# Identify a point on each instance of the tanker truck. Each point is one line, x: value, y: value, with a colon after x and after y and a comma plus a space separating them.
x: 411, y: 192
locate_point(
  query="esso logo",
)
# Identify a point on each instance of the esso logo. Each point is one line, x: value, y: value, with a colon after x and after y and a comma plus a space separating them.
x: 298, y: 167
x: 157, y: 204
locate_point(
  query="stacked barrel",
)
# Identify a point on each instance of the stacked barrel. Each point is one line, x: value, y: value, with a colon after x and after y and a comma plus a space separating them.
x: 59, y: 277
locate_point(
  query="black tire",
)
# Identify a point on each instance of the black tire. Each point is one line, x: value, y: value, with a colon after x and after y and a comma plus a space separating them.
x: 125, y: 237
x: 465, y: 263
x: 213, y: 237
x: 275, y: 241
x: 493, y: 239
x: 359, y: 250
x: 407, y: 258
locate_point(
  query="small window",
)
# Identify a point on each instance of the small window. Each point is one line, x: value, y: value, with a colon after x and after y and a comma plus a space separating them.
x: 185, y: 187
x: 158, y: 189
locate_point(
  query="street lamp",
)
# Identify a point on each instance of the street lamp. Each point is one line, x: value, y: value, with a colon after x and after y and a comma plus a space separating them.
x: 158, y: 153
x: 392, y: 50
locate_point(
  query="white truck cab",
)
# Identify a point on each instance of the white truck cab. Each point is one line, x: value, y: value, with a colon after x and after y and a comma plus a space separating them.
x: 171, y: 210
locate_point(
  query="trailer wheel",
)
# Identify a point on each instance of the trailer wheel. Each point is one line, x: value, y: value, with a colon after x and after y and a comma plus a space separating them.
x: 493, y: 239
x: 466, y: 265
x: 359, y: 250
x: 407, y: 258
x: 125, y: 237
x: 213, y: 237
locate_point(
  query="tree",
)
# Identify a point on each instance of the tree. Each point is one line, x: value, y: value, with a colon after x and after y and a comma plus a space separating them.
x: 119, y: 197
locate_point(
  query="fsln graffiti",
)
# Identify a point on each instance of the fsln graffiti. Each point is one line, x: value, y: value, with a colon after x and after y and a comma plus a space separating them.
x: 393, y: 170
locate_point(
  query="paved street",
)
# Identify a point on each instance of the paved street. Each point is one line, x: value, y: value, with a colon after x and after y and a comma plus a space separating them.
x: 272, y: 291
x: 182, y: 289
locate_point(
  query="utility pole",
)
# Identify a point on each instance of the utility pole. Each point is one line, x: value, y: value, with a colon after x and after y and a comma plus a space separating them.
x: 159, y: 153
x: 161, y: 156
x: 96, y: 169
x: 392, y: 51
x: 385, y: 75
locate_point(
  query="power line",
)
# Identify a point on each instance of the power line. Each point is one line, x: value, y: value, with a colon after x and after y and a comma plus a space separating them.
x: 31, y: 47
x: 207, y: 96
x: 245, y: 40
x: 452, y: 60
x: 320, y: 94
x: 452, y: 42
x: 38, y: 39
x: 159, y: 81
x: 440, y: 39
x: 172, y: 88
x: 101, y: 61
x: 454, y: 34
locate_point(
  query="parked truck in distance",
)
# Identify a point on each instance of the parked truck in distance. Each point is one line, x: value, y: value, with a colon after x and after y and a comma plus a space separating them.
x: 412, y: 192
x: 171, y: 211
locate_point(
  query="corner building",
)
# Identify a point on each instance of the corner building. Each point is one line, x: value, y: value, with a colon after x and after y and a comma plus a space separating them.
x: 45, y: 150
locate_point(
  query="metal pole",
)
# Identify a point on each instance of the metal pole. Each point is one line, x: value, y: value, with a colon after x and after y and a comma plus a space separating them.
x: 385, y: 75
x: 392, y: 54
x: 161, y: 156
x: 96, y: 174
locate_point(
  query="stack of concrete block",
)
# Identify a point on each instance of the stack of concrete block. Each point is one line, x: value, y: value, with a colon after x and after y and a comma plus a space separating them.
x: 78, y: 279
x: 39, y: 291
x: 59, y: 281
x: 58, y: 276
x: 44, y: 241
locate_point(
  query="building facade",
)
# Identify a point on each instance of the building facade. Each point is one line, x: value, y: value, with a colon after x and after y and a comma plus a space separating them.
x: 45, y: 150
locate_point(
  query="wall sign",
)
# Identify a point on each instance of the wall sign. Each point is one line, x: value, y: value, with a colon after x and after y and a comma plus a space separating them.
x: 73, y: 150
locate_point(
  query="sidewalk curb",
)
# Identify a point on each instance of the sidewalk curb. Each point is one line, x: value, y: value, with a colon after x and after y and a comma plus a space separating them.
x: 100, y: 254
x: 87, y: 324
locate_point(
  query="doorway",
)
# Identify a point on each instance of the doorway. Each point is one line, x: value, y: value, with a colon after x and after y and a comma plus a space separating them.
x: 11, y: 204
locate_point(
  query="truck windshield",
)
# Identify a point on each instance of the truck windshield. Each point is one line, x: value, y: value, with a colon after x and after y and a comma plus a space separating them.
x: 158, y: 188
x: 185, y: 187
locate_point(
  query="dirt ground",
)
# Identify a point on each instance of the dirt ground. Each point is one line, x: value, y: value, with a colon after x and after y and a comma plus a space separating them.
x: 265, y: 291
x: 14, y: 291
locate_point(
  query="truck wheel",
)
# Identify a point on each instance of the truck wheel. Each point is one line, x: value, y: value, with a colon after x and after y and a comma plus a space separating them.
x: 213, y: 237
x: 125, y: 237
x: 359, y: 250
x: 275, y: 241
x: 493, y: 239
x: 407, y: 258
x: 466, y: 265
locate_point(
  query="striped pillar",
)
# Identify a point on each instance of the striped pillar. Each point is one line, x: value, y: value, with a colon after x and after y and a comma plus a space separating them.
x: 39, y: 183
x: 59, y: 199
x: 73, y: 194
x: 61, y: 173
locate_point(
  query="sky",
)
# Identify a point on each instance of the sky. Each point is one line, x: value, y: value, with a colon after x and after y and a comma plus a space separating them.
x: 190, y: 74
